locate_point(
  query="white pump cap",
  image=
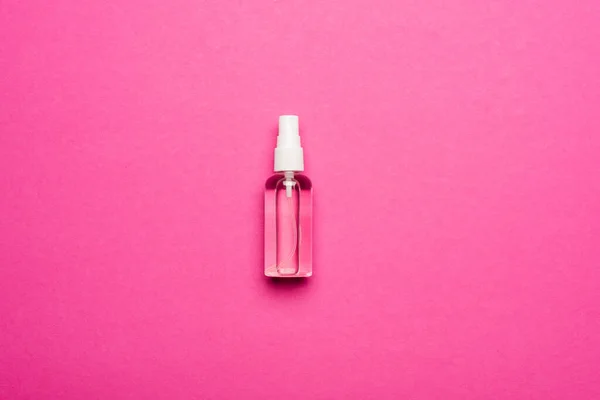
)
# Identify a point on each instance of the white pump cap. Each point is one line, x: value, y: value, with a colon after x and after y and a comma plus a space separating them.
x: 288, y: 153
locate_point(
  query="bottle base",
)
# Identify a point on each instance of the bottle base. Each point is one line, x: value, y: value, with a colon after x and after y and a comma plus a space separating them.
x: 275, y: 274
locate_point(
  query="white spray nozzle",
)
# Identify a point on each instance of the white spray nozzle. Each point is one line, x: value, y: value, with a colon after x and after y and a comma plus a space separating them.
x: 288, y: 131
x: 288, y: 153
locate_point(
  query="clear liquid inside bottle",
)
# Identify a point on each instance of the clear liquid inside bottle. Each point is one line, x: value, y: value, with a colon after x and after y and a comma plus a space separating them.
x: 288, y: 226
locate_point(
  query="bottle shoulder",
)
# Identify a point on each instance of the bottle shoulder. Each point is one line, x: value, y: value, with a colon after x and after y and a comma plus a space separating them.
x: 302, y: 179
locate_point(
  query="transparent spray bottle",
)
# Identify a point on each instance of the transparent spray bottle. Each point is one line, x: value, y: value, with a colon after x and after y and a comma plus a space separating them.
x: 288, y: 208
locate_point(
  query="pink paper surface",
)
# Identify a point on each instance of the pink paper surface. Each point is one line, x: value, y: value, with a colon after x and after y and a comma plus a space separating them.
x: 454, y: 147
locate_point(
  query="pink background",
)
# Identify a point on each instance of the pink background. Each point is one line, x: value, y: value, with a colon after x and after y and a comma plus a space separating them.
x: 454, y: 148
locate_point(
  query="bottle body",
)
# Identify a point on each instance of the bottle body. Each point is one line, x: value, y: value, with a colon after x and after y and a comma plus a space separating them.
x: 288, y: 225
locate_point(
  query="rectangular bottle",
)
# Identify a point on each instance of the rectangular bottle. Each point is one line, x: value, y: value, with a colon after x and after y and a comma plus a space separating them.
x: 288, y: 208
